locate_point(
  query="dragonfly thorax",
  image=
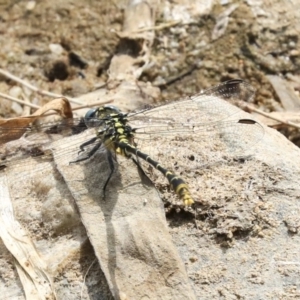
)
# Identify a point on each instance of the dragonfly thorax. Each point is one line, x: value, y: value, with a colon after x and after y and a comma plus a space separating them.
x: 113, y: 129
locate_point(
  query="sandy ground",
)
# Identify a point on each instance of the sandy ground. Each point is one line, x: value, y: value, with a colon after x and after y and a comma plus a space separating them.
x: 244, y: 241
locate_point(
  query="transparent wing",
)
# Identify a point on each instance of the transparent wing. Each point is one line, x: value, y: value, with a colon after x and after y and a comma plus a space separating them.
x: 12, y: 130
x: 18, y: 143
x: 184, y: 137
x: 205, y: 115
x: 203, y: 108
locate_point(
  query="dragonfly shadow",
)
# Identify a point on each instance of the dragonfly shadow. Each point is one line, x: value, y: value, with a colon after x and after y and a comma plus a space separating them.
x: 85, y: 180
x: 108, y: 219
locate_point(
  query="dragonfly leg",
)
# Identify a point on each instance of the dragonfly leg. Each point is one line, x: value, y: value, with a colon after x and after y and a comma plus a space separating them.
x: 112, y: 169
x: 82, y: 146
x: 90, y: 153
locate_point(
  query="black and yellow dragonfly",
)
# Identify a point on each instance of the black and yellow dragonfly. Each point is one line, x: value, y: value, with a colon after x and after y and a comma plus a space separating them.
x: 201, y: 116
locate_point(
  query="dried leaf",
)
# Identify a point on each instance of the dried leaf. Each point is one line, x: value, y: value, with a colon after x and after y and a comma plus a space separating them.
x: 19, y: 125
x: 60, y: 105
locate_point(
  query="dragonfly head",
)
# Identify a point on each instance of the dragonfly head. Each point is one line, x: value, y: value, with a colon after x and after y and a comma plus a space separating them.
x: 97, y: 116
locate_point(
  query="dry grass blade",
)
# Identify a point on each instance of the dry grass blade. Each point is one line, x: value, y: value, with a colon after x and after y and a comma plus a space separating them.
x: 271, y: 116
x: 32, y: 87
x: 31, y: 267
x: 5, y: 96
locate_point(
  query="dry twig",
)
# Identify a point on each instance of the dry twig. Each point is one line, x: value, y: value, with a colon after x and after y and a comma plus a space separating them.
x: 250, y: 108
x: 5, y: 96
x: 159, y: 27
x: 34, y: 88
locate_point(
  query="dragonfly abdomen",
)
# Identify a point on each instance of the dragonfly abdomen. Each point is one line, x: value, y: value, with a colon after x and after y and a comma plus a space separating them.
x: 176, y: 182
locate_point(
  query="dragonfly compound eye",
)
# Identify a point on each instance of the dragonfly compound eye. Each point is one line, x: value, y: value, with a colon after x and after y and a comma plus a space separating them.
x: 91, y: 119
x: 91, y: 114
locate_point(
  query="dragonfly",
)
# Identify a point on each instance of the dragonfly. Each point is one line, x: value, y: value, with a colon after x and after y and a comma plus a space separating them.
x: 202, y: 116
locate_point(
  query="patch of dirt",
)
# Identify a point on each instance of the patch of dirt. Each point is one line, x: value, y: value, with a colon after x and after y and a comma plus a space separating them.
x: 46, y: 44
x: 65, y: 47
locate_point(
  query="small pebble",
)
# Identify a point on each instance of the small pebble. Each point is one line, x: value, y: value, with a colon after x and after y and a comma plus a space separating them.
x: 294, y: 52
x: 56, y: 49
x: 193, y: 259
x: 30, y: 5
x: 15, y: 91
x: 224, y: 2
x: 17, y: 108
